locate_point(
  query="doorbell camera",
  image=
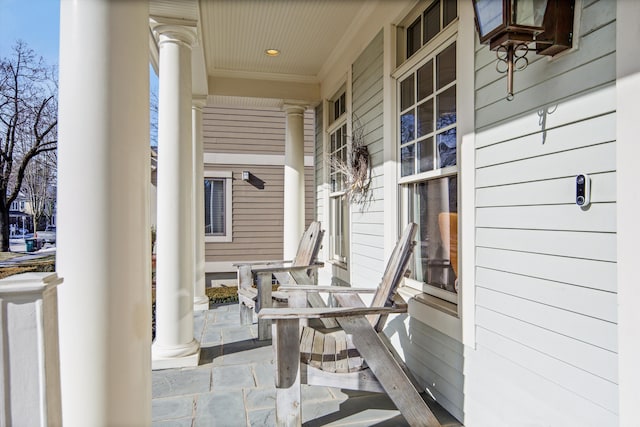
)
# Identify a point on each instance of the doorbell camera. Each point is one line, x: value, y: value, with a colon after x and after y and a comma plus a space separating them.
x: 583, y: 190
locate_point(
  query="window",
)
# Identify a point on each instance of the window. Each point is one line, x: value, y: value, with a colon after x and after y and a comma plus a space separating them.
x: 214, y: 209
x: 427, y: 144
x: 433, y: 205
x: 338, y: 153
x: 428, y: 115
x: 338, y: 205
x: 217, y: 206
x: 428, y: 24
x: 338, y: 107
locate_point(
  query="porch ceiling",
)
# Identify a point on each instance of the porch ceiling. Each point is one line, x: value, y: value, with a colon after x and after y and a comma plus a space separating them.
x: 234, y: 35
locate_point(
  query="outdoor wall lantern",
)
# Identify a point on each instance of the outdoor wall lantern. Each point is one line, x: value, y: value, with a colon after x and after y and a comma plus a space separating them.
x: 510, y: 27
x: 246, y: 175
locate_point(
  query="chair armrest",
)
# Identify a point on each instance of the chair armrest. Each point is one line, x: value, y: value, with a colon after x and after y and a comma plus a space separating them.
x: 319, y: 313
x: 252, y: 263
x: 326, y: 289
x: 279, y: 269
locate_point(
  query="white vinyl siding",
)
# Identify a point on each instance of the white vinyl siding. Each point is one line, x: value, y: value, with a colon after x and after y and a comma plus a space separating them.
x: 435, y: 359
x: 546, y: 305
x: 367, y: 229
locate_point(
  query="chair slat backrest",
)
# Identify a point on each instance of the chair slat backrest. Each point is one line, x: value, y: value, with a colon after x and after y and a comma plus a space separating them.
x: 394, y: 272
x: 309, y: 245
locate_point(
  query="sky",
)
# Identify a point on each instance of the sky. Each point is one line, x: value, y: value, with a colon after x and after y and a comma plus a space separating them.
x: 36, y: 22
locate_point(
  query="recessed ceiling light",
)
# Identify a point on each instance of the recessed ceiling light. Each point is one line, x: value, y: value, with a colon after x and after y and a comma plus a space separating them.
x: 272, y: 52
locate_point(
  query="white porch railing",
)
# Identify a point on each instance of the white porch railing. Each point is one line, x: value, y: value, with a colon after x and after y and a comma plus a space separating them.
x: 30, y: 374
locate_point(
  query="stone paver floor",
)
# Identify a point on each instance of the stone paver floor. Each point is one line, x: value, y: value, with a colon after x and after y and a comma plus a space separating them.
x: 234, y: 385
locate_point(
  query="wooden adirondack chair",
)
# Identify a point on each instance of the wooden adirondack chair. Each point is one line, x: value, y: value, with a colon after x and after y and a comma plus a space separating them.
x: 358, y: 357
x: 301, y: 270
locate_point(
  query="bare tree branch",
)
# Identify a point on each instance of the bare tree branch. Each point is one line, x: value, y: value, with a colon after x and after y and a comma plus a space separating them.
x: 28, y: 123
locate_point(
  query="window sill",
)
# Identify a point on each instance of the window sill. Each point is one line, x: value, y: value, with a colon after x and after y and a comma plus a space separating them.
x: 217, y: 239
x: 339, y: 264
x: 438, y: 304
x: 434, y: 312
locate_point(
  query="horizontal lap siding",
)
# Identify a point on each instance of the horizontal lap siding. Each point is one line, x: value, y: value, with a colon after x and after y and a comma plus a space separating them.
x: 436, y: 360
x: 546, y: 314
x: 248, y: 130
x: 367, y: 235
x: 257, y: 214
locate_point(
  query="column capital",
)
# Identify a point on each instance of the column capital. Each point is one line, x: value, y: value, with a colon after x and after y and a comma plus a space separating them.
x: 293, y: 107
x: 173, y: 33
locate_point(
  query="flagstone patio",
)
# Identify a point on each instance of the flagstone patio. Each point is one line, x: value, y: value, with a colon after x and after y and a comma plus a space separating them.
x: 234, y: 385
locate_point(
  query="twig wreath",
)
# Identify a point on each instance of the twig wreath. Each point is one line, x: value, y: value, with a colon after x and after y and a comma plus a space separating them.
x: 356, y: 170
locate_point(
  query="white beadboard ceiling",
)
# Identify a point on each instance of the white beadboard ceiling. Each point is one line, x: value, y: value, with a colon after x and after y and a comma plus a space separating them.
x: 233, y: 35
x: 237, y: 32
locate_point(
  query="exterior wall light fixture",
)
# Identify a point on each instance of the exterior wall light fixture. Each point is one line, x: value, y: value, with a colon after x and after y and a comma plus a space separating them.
x: 513, y: 28
x: 246, y: 175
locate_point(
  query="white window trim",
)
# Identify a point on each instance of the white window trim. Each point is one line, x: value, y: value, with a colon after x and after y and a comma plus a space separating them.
x: 427, y: 310
x: 438, y: 44
x: 346, y: 118
x: 228, y: 179
x: 466, y: 179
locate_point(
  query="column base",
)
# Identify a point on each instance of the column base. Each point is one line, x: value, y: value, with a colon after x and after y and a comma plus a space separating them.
x: 201, y: 303
x: 166, y: 357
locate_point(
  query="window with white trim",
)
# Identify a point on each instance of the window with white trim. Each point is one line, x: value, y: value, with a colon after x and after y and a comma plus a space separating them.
x: 338, y: 204
x: 427, y: 145
x: 217, y: 206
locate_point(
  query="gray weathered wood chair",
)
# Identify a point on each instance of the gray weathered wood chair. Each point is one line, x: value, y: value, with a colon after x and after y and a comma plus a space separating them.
x: 358, y: 357
x: 300, y: 270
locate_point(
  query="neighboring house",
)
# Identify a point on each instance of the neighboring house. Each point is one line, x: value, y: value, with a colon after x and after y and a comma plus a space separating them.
x: 522, y: 306
x: 20, y: 214
x: 20, y: 221
x: 244, y: 214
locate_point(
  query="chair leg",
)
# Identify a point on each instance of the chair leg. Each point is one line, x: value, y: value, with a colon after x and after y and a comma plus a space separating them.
x: 263, y: 283
x: 286, y: 353
x: 246, y: 315
x: 244, y: 282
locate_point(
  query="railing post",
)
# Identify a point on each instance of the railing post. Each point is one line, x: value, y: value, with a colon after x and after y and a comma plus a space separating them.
x: 30, y: 374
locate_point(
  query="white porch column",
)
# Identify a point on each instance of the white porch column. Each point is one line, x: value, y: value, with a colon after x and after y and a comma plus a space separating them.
x: 293, y: 179
x: 103, y: 241
x: 200, y: 299
x: 175, y: 345
x: 628, y: 151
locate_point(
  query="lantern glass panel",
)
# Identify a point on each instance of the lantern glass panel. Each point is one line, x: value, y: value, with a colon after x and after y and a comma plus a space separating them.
x: 489, y: 14
x: 529, y: 13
